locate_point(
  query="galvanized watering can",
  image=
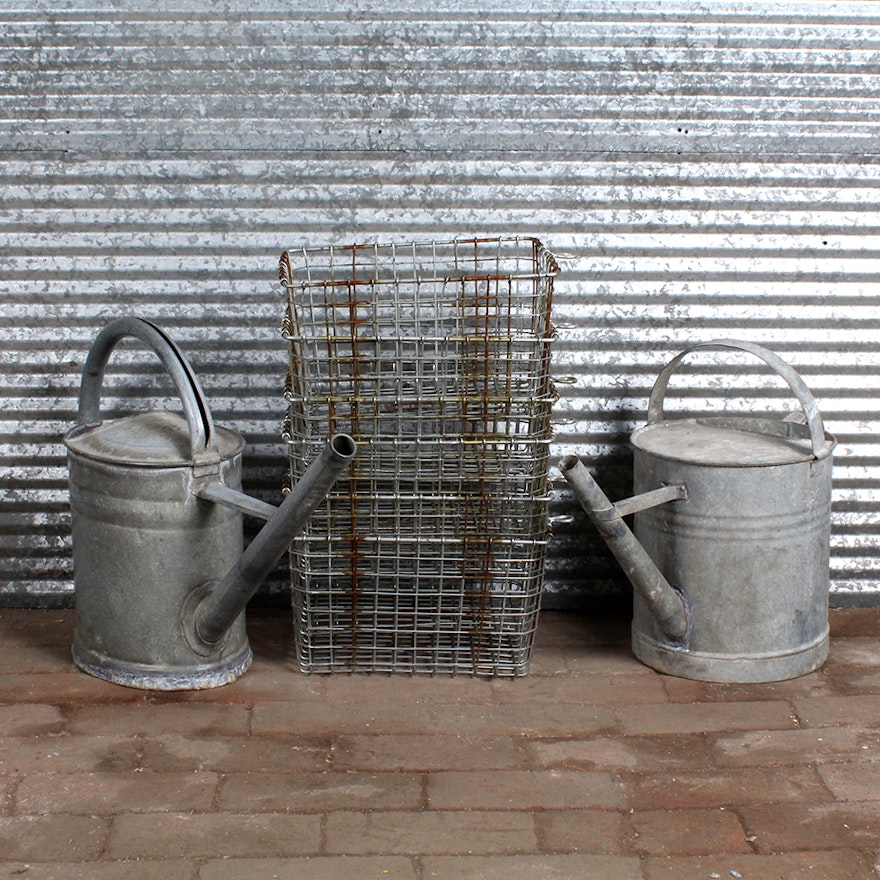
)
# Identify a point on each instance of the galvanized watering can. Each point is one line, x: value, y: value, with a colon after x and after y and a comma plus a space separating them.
x: 161, y: 581
x: 729, y: 559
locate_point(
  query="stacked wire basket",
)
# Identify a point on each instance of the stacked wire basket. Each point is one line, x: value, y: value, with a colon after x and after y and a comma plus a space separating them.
x: 428, y: 556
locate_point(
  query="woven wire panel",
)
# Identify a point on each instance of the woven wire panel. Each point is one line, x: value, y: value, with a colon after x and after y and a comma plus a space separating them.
x: 435, y: 356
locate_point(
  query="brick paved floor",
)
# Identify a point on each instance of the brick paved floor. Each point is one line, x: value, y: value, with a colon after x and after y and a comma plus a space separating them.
x: 591, y: 767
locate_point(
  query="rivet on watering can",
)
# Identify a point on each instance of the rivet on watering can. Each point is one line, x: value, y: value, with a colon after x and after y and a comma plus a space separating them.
x: 730, y: 578
x: 161, y: 581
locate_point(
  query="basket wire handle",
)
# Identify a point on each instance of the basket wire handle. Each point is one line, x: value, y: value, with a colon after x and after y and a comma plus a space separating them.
x: 195, y: 406
x: 779, y: 366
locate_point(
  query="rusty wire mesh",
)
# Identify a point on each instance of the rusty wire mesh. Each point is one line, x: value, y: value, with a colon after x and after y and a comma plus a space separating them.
x: 435, y: 357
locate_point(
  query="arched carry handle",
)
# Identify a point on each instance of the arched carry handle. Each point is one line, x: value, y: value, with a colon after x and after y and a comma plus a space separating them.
x: 195, y: 406
x: 779, y: 366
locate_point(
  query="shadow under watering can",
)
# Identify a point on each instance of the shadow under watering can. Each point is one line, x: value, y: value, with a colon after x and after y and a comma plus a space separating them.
x: 161, y: 577
x: 732, y: 519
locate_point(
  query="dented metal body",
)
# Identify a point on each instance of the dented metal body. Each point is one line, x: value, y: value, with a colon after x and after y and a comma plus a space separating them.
x: 161, y: 578
x: 731, y: 574
x: 143, y: 541
x: 748, y: 550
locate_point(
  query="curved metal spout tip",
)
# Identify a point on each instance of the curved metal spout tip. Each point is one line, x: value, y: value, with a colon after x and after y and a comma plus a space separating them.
x: 215, y: 611
x: 567, y: 463
x: 343, y: 446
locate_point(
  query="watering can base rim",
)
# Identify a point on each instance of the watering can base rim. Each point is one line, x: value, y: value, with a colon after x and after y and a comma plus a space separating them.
x: 162, y: 678
x: 731, y: 668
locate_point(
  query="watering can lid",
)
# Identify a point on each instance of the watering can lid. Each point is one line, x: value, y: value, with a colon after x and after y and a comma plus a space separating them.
x: 729, y: 442
x: 151, y: 439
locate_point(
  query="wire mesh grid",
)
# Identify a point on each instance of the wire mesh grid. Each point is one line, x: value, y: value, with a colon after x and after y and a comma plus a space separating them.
x: 435, y: 357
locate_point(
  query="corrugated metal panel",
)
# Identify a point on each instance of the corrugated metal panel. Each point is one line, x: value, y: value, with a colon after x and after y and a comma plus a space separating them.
x: 709, y: 168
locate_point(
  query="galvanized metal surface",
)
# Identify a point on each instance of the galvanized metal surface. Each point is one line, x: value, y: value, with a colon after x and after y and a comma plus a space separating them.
x: 712, y: 168
x: 145, y: 547
x: 730, y: 576
x: 161, y: 582
x: 749, y: 551
x: 665, y: 605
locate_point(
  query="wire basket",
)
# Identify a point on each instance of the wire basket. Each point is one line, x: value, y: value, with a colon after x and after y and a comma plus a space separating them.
x: 435, y: 357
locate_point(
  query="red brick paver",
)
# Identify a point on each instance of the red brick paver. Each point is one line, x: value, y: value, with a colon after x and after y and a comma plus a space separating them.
x: 689, y: 832
x: 554, y: 867
x: 792, y: 827
x: 594, y: 766
x: 821, y: 865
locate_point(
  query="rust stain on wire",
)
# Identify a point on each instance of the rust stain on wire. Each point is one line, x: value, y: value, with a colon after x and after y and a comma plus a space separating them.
x: 434, y: 356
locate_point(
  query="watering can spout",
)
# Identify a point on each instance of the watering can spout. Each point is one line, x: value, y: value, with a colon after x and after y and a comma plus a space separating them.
x: 215, y: 606
x: 662, y: 600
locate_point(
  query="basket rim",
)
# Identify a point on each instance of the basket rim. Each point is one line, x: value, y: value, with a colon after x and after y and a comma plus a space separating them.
x: 300, y: 258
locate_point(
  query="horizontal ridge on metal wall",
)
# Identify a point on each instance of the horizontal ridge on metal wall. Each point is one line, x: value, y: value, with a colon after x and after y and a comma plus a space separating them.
x: 703, y: 170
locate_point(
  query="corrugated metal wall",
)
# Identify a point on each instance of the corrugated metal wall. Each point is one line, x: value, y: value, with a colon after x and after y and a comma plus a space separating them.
x: 709, y: 169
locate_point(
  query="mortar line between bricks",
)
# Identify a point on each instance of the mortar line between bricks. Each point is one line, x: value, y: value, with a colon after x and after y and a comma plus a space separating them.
x: 832, y: 798
x: 521, y: 748
x: 215, y: 800
x: 111, y: 831
x: 619, y: 775
x: 66, y: 711
x: 627, y: 839
x: 540, y: 846
x: 664, y: 683
x: 322, y: 834
x: 140, y: 750
x: 105, y: 848
x: 10, y: 806
x: 749, y: 835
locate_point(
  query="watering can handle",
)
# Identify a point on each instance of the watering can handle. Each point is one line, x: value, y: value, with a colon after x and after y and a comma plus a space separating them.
x: 195, y: 406
x: 779, y: 366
